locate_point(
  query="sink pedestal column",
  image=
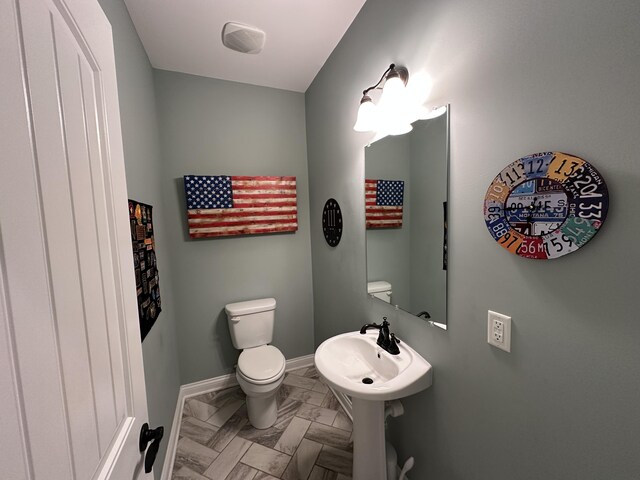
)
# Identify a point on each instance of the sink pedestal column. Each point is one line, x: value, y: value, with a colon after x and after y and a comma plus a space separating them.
x: 369, y: 453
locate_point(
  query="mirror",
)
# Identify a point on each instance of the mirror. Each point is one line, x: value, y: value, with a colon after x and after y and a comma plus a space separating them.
x: 406, y: 194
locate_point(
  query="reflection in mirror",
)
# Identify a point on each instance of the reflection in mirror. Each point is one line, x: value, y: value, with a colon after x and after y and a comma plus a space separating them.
x: 406, y: 188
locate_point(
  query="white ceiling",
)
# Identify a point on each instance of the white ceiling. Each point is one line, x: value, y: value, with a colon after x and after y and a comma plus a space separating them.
x: 186, y: 36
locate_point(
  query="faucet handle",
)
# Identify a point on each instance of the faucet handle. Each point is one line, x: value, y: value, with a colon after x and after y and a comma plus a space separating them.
x: 393, y: 345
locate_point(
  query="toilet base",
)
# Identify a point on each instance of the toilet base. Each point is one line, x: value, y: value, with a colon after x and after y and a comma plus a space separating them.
x: 262, y: 408
x: 262, y: 411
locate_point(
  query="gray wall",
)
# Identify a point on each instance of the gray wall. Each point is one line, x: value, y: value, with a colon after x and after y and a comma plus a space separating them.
x: 521, y: 77
x: 388, y: 248
x: 216, y: 127
x: 429, y: 169
x: 142, y: 163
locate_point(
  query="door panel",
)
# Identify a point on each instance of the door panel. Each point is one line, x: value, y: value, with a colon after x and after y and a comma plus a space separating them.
x: 74, y: 377
x: 111, y: 331
x: 26, y: 318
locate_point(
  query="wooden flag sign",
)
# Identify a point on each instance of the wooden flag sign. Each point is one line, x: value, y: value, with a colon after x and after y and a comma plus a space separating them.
x: 383, y: 203
x: 230, y: 205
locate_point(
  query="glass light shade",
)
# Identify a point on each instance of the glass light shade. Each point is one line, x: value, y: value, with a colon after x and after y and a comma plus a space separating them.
x: 378, y: 136
x: 399, y: 128
x: 393, y: 92
x: 367, y: 119
x: 395, y: 119
x: 393, y: 110
x: 387, y: 129
x: 419, y: 88
x: 426, y: 114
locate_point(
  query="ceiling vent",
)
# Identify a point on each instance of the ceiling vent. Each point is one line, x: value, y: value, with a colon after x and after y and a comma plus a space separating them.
x: 243, y: 38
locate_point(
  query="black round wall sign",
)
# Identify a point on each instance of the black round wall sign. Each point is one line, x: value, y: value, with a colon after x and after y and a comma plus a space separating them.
x: 332, y: 222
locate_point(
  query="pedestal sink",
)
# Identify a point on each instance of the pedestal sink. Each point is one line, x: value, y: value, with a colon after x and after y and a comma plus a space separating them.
x: 354, y: 364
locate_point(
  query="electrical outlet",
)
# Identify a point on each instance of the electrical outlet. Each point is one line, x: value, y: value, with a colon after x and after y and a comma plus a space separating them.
x: 498, y: 337
x: 499, y: 330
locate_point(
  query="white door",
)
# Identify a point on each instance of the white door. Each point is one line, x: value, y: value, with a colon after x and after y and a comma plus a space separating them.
x: 72, y: 392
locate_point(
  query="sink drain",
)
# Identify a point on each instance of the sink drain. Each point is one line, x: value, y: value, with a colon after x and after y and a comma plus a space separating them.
x: 367, y: 380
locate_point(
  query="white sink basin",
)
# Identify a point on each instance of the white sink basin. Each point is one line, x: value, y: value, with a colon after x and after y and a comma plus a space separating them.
x: 344, y: 361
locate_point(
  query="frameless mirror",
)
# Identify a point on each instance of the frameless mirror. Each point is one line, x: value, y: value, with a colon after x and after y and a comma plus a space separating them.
x: 406, y: 190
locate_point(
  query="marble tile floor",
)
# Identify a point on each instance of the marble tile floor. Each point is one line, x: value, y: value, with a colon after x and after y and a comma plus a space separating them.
x: 311, y: 439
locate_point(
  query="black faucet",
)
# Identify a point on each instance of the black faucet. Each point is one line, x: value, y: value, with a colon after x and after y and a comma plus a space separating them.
x: 383, y: 336
x: 387, y: 341
x: 424, y: 314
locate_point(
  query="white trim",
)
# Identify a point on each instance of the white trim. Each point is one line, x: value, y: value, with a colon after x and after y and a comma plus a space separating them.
x: 299, y: 362
x: 211, y: 385
x: 172, y: 441
x: 204, y: 386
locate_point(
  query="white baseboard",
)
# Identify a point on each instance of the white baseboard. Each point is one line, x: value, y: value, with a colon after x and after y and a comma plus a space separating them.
x: 172, y: 441
x: 299, y: 362
x: 211, y: 385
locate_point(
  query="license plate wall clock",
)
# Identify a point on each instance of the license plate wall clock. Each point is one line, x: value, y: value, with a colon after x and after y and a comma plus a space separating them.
x: 546, y: 205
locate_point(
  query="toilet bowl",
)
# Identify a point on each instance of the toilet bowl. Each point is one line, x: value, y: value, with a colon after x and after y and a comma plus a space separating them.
x: 260, y: 373
x: 260, y: 369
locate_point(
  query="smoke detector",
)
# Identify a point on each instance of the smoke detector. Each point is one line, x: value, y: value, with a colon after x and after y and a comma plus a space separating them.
x: 243, y: 38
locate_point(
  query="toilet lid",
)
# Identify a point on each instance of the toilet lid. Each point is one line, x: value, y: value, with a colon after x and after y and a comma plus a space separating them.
x: 261, y: 363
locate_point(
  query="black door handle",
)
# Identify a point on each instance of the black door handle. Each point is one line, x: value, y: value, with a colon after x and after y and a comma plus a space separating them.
x: 148, y: 435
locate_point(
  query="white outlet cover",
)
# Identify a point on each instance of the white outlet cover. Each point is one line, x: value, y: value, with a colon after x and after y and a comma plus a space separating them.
x: 505, y: 344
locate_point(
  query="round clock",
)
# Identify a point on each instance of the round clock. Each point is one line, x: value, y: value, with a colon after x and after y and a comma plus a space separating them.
x: 546, y: 205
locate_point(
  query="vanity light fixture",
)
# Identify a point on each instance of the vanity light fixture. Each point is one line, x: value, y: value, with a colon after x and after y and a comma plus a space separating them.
x: 413, y: 113
x: 434, y: 113
x: 400, y: 103
x: 389, y: 115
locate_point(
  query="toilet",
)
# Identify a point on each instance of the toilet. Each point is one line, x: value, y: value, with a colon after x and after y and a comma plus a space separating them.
x: 380, y: 289
x: 260, y: 369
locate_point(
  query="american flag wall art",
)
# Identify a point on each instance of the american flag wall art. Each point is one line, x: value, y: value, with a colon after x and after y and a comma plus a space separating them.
x: 234, y: 205
x: 383, y: 203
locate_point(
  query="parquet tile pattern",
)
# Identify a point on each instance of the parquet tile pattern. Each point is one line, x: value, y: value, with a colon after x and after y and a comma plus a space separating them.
x: 311, y: 439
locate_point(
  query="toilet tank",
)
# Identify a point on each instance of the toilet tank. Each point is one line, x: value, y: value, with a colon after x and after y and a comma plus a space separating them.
x: 251, y: 322
x: 380, y: 289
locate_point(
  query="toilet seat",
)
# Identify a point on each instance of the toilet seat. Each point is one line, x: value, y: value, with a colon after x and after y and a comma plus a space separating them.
x: 261, y: 365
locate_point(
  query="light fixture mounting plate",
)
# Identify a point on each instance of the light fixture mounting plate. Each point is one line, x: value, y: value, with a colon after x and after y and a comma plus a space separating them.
x: 402, y: 72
